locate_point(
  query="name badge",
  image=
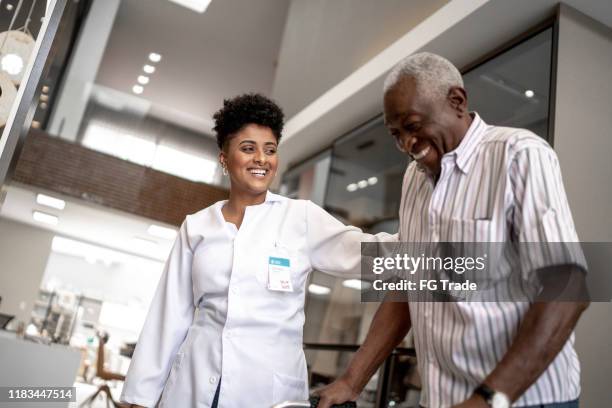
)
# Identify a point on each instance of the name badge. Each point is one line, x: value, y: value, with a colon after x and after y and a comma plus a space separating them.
x: 279, y: 274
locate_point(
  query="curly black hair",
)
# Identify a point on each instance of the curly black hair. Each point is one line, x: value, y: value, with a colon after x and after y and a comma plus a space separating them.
x: 246, y: 109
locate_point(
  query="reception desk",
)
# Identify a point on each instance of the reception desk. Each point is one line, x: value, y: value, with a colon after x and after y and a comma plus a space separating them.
x: 24, y: 363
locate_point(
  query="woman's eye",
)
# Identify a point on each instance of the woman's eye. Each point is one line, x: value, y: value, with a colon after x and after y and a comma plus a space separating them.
x: 271, y: 151
x: 248, y: 149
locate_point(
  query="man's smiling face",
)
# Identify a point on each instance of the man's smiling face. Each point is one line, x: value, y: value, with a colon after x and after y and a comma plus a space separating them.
x: 425, y: 129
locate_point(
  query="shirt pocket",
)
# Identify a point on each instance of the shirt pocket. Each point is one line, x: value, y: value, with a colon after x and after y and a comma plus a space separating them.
x: 285, y: 388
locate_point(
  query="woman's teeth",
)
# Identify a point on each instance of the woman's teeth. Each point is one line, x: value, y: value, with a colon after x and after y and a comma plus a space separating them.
x: 258, y: 172
x: 421, y: 154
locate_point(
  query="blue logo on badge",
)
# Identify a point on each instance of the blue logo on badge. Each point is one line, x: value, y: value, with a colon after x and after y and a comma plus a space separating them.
x: 279, y: 261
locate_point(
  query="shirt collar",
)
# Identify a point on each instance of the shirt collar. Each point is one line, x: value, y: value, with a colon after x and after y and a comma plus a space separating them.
x: 271, y: 197
x: 465, y: 151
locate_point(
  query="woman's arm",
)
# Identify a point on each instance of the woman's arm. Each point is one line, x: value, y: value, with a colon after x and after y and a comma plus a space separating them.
x: 165, y: 328
x: 335, y: 248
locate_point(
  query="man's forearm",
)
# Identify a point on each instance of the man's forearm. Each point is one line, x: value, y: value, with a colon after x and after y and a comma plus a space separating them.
x: 389, y: 327
x: 541, y: 336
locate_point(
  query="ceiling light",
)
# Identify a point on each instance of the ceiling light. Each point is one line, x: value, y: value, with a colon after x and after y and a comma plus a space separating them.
x: 49, y: 201
x: 162, y: 232
x: 91, y: 253
x: 45, y: 218
x: 362, y: 184
x: 372, y: 180
x: 318, y: 289
x: 154, y: 57
x: 143, y: 245
x: 196, y: 5
x: 351, y: 187
x: 356, y: 284
x: 143, y: 79
x: 45, y: 89
x: 148, y: 69
x: 529, y: 93
x: 137, y: 89
x: 12, y: 64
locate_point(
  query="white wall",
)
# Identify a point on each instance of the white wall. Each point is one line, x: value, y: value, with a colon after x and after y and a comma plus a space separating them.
x: 583, y: 141
x: 132, y: 281
x: 23, y: 255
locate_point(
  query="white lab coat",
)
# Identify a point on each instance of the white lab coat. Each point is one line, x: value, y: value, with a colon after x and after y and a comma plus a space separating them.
x: 213, y: 317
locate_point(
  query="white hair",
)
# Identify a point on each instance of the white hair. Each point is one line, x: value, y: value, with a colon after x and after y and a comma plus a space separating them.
x: 434, y: 75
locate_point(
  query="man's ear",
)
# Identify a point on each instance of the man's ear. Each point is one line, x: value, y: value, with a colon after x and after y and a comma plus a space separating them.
x: 457, y: 97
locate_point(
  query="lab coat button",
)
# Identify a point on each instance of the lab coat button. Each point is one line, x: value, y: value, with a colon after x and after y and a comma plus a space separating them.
x: 212, y: 380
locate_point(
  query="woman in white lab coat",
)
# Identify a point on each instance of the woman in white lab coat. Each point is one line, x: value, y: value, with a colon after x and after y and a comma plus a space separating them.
x: 225, y: 325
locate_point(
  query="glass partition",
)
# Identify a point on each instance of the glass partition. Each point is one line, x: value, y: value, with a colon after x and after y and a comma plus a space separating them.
x: 513, y: 88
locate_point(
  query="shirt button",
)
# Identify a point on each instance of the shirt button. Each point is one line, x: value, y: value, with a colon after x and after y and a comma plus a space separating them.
x: 234, y: 289
x: 228, y: 334
x: 212, y: 380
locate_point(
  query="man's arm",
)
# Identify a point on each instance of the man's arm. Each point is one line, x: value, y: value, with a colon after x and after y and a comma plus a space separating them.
x: 543, y: 333
x: 389, y: 327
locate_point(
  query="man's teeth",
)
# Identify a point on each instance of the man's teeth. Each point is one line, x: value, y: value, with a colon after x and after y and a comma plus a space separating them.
x: 421, y: 154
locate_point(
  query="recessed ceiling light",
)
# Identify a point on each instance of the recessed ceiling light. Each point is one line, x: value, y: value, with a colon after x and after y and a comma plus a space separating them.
x: 351, y: 187
x: 49, y: 201
x: 141, y: 245
x: 137, y: 89
x: 148, y: 69
x: 154, y: 57
x: 161, y: 232
x: 372, y: 180
x: 196, y: 5
x: 142, y: 79
x: 529, y: 93
x: 356, y: 284
x: 362, y: 184
x: 45, y: 218
x: 318, y: 289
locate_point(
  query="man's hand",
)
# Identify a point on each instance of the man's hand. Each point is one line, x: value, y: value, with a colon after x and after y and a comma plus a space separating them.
x: 475, y: 401
x: 337, y: 392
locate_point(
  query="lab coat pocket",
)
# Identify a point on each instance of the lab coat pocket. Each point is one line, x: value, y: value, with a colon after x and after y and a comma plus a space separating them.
x: 169, y: 387
x: 286, y: 388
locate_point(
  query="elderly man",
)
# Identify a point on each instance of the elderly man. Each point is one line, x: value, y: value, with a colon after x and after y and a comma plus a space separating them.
x: 472, y: 182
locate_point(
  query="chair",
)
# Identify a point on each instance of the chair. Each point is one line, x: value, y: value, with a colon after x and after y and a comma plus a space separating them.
x: 105, y: 376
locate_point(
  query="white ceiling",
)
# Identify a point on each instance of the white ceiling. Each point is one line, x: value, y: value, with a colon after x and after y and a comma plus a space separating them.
x: 230, y: 49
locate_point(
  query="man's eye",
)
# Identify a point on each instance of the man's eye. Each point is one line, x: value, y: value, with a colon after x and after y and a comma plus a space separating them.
x: 412, y: 127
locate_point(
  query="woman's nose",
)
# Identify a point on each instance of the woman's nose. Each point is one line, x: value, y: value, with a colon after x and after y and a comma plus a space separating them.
x: 260, y: 158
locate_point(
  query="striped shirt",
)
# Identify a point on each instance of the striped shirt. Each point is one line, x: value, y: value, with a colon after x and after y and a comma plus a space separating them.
x: 499, y: 184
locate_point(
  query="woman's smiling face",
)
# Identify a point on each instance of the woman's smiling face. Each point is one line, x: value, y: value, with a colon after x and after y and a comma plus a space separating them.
x: 251, y: 159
